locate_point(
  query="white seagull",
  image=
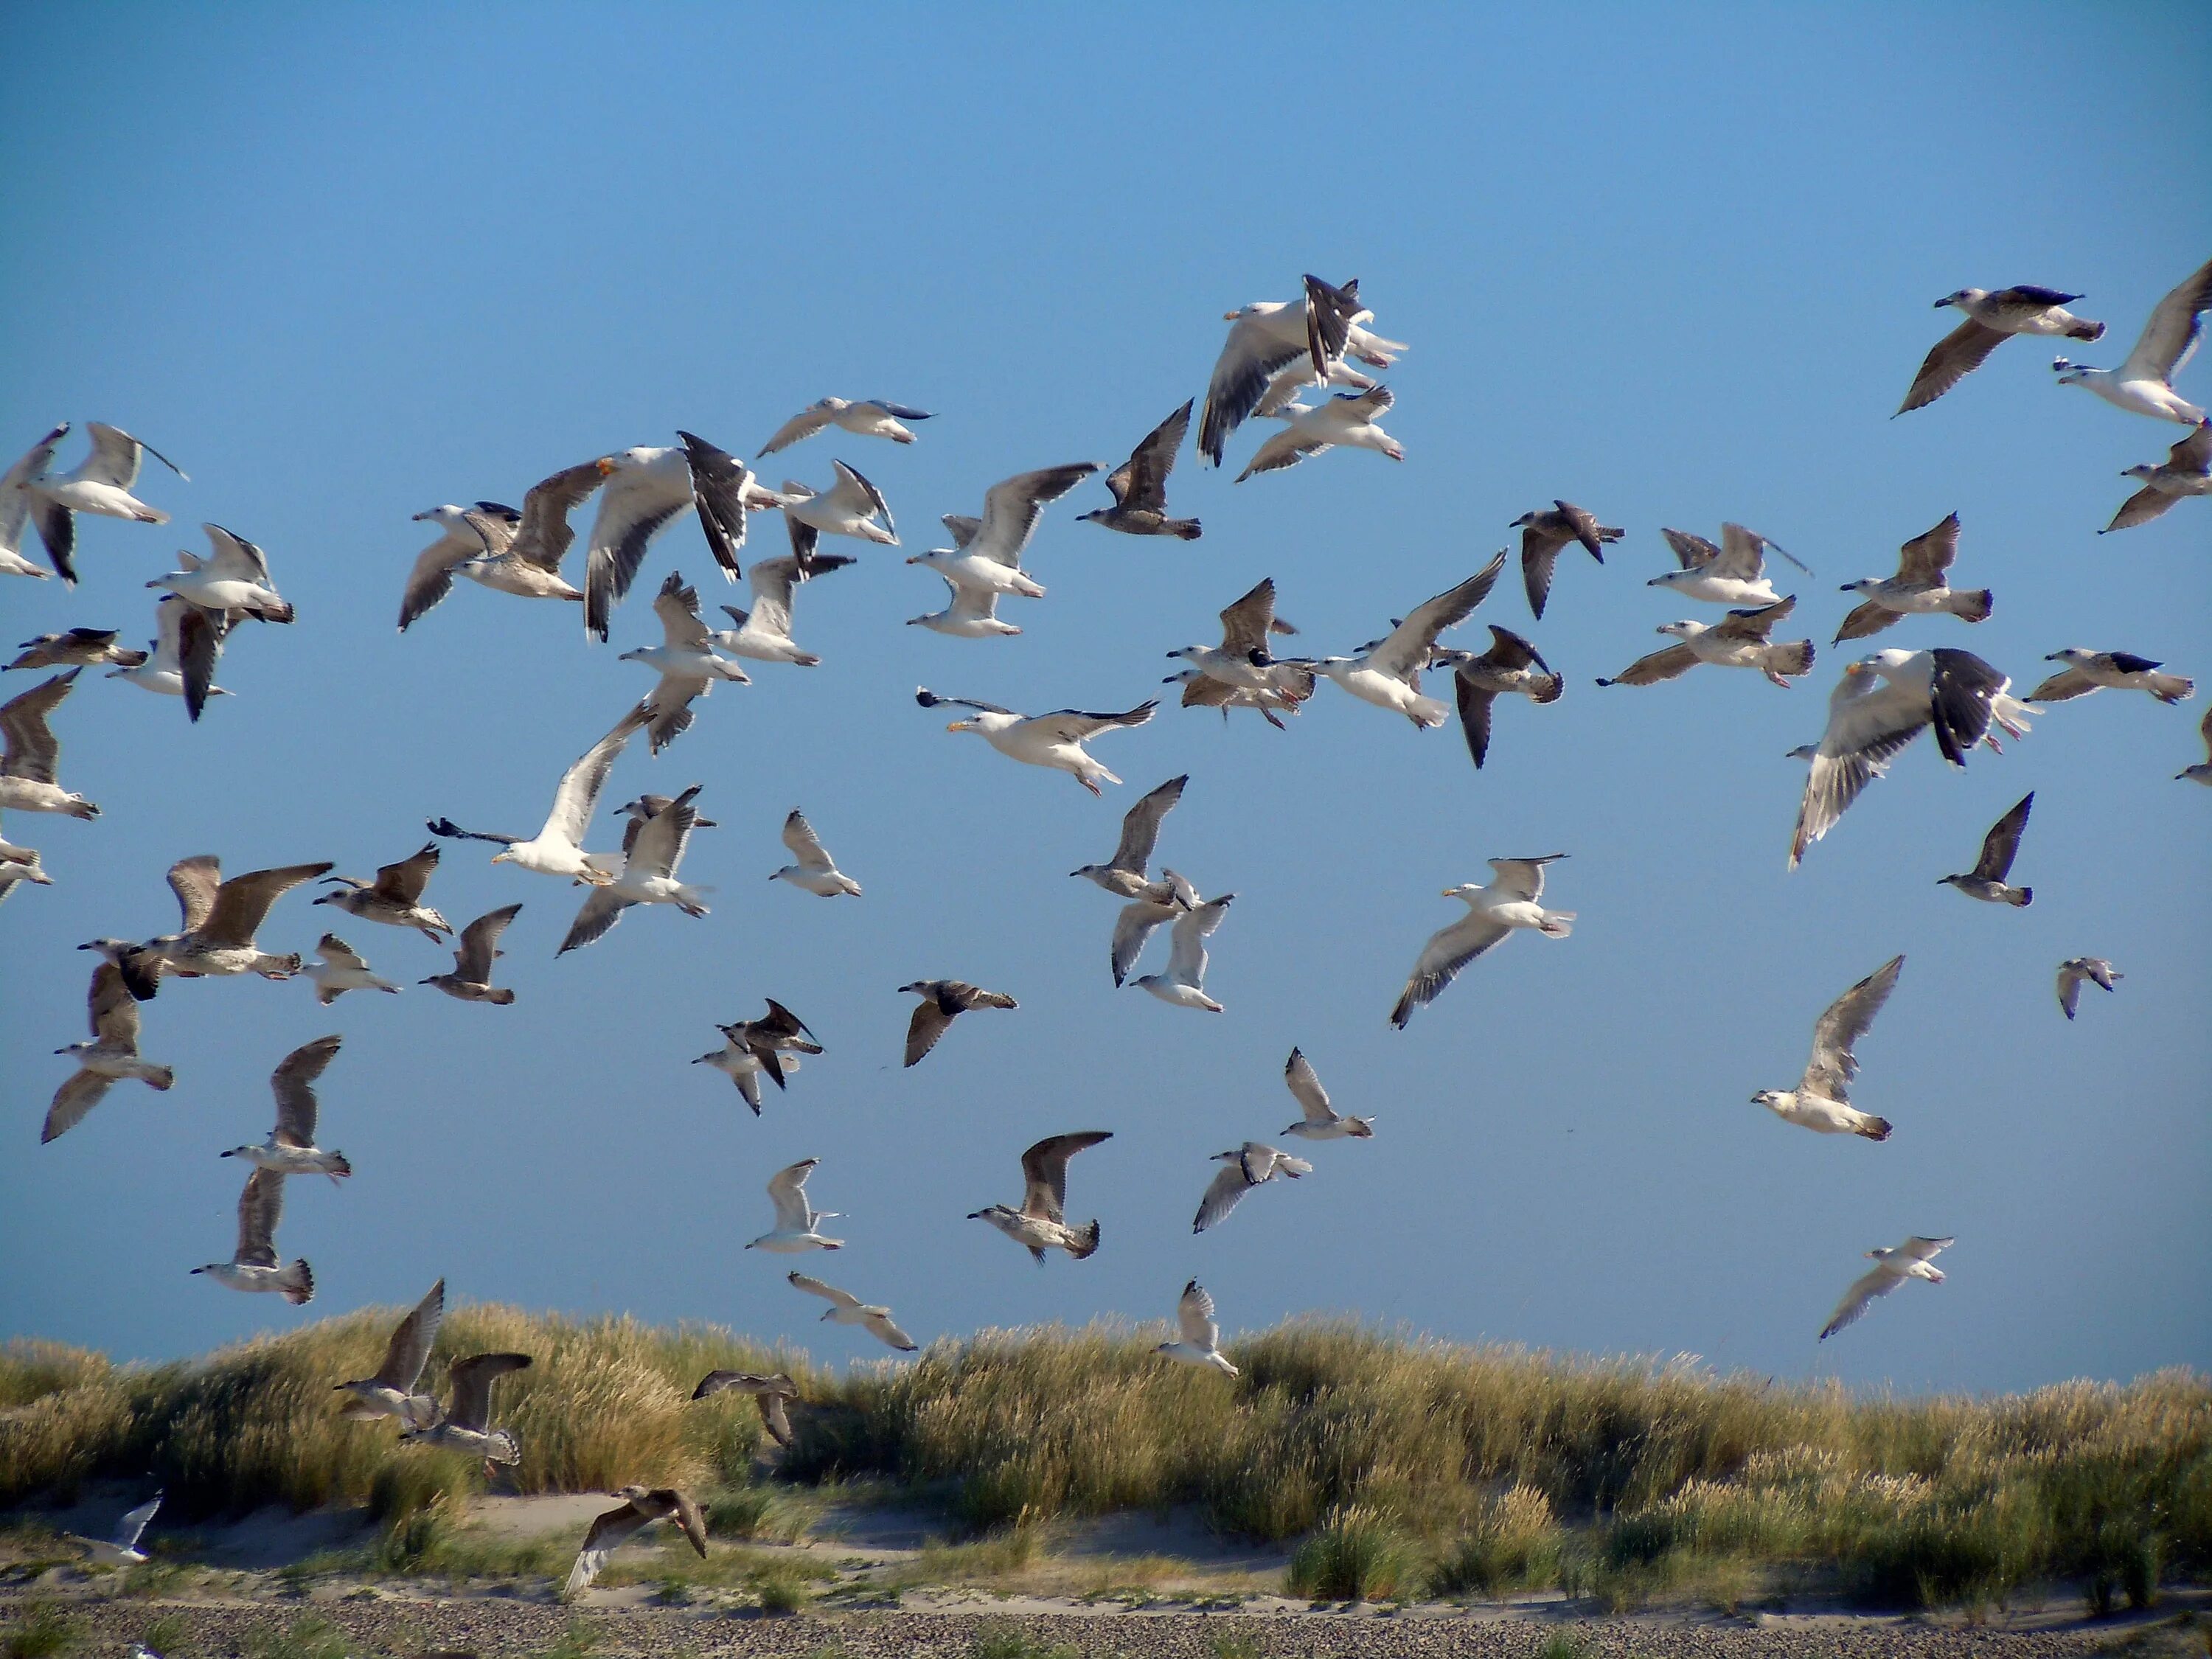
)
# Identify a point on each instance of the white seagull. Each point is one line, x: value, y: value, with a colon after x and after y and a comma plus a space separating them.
x: 2093, y: 671
x: 1241, y: 661
x: 465, y: 1426
x: 1881, y: 704
x: 77, y: 647
x: 1320, y: 1121
x: 395, y: 897
x: 1243, y: 1168
x: 770, y: 1046
x: 15, y: 506
x: 1739, y: 641
x: 33, y: 753
x: 763, y: 633
x: 1733, y: 573
x: 1820, y: 1101
x: 1892, y: 1268
x: 390, y: 1391
x: 253, y: 1265
x: 648, y: 875
x: 986, y: 554
x: 646, y: 490
x: 1053, y: 740
x: 340, y: 969
x: 686, y: 661
x: 187, y: 641
x: 2073, y: 970
x: 1041, y: 1224
x: 1991, y: 318
x: 495, y: 546
x: 1267, y: 336
x: 2202, y: 772
x: 641, y: 1507
x: 2186, y: 471
x: 1387, y: 672
x: 1544, y: 534
x: 1123, y: 874
x: 1986, y: 880
x: 1918, y: 588
x: 2144, y: 385
x: 1151, y: 904
x: 865, y: 418
x: 470, y: 978
x: 111, y: 1054
x: 851, y: 507
x: 1493, y: 912
x: 219, y: 920
x: 1201, y: 1340
x: 556, y: 849
x: 232, y: 581
x: 1139, y: 486
x: 846, y: 1308
x: 816, y: 872
x: 1350, y: 420
x: 122, y: 1550
x: 1511, y: 665
x: 101, y: 484
x: 798, y: 1223
x: 290, y: 1148
x: 1183, y: 984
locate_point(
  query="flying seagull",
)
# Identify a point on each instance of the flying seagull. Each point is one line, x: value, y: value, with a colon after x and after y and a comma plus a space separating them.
x: 2093, y: 671
x: 769, y: 1045
x: 1987, y: 879
x: 648, y: 875
x: 1350, y: 420
x: 1918, y: 588
x: 390, y: 1391
x: 1242, y: 659
x: 1990, y: 318
x: 1510, y: 666
x: 231, y: 582
x: 685, y: 660
x: 641, y: 1507
x: 471, y: 979
x: 290, y: 1149
x: 846, y: 1308
x: 395, y: 897
x: 1819, y: 1102
x: 1199, y: 1343
x: 557, y: 849
x: 1881, y: 704
x: 1320, y: 1121
x: 646, y: 490
x: 986, y: 554
x: 2144, y: 385
x: 1388, y: 671
x: 1733, y: 573
x: 1243, y: 1168
x: 2073, y: 970
x: 180, y: 659
x: 865, y: 417
x: 1267, y: 336
x: 1053, y: 740
x: 341, y: 969
x: 851, y: 507
x: 1288, y: 686
x: 1740, y: 642
x: 101, y: 484
x: 816, y: 872
x: 1041, y: 1224
x: 16, y: 505
x: 798, y: 1223
x: 1493, y: 912
x: 767, y: 1392
x: 1140, y: 485
x: 77, y: 647
x: 466, y: 1425
x: 27, y: 772
x: 122, y: 1550
x: 219, y: 920
x: 763, y: 633
x: 1892, y: 1268
x: 1542, y: 537
x: 970, y: 613
x: 1151, y: 905
x: 2186, y: 471
x: 254, y: 1265
x: 1124, y: 873
x: 2202, y: 772
x: 495, y: 546
x: 942, y: 999
x: 112, y: 1053
x: 18, y: 865
x: 1183, y: 984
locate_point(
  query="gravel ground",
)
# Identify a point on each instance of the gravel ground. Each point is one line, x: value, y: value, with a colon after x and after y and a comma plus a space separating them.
x: 498, y: 1628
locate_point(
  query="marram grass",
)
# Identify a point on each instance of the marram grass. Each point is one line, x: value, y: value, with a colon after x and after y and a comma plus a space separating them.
x: 1434, y: 1467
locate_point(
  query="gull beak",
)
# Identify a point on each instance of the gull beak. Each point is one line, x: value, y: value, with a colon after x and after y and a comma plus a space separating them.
x: 606, y: 466
x: 2052, y: 656
x: 1226, y: 316
x: 957, y: 725
x: 1940, y: 303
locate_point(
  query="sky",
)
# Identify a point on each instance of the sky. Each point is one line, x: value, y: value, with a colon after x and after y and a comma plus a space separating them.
x: 344, y: 265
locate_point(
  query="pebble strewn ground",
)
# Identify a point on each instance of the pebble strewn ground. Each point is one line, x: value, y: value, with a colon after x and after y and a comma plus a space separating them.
x: 501, y: 1629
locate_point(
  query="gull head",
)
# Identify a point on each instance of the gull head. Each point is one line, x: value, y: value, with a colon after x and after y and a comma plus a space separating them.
x: 1095, y: 515
x: 2072, y: 654
x: 1858, y: 586
x: 1680, y: 630
x: 1883, y: 662
x: 1767, y: 1097
x: 1466, y: 890
x: 504, y: 855
x: 631, y: 656
x: 2068, y: 372
x: 962, y: 726
x: 1523, y: 522
x: 446, y: 514
x: 1962, y: 297
x: 2146, y: 472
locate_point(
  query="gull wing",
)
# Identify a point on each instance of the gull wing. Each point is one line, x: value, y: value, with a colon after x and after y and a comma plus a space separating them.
x: 235, y: 558
x: 2146, y: 504
x: 772, y: 580
x: 293, y: 1082
x: 338, y: 954
x: 431, y: 577
x: 133, y: 1525
x: 636, y: 503
x: 1194, y: 1318
x: 82, y: 1091
x: 1523, y: 878
x: 2002, y: 845
x: 1249, y: 357
x: 1133, y: 925
x: 402, y: 883
x: 1539, y: 556
x: 787, y: 1190
x: 1304, y: 1085
x: 1142, y: 480
x: 1074, y: 724
x: 1187, y: 941
x: 1925, y: 1249
x: 495, y: 524
x: 805, y: 424
x: 2062, y: 687
x: 662, y: 838
x: 1247, y: 621
x: 242, y: 903
x: 576, y: 797
x: 1013, y: 508
x: 1449, y: 949
x: 718, y: 491
x: 32, y: 749
x: 1284, y: 449
x: 479, y: 944
x: 858, y: 496
x: 1140, y: 826
x: 116, y: 457
x: 1330, y: 313
x: 805, y: 846
x: 677, y: 607
x: 199, y: 636
x: 472, y: 1378
x: 2171, y: 336
x: 1044, y: 1172
x: 1928, y: 555
x: 411, y: 1345
x: 196, y: 881
x: 260, y: 1207
x: 1473, y: 716
x: 1962, y: 693
x: 1757, y: 623
x: 601, y: 909
x: 1869, y: 721
x: 2194, y: 452
x: 830, y: 1293
x: 780, y: 1021
x: 545, y: 535
x: 961, y: 528
x: 687, y: 1517
x: 1691, y: 552
x: 1742, y: 555
x: 1879, y: 1282
x: 1833, y: 1064
x: 1223, y: 1193
x: 111, y: 1008
x: 608, y: 1532
x: 886, y: 1329
x: 1865, y: 620
x: 1949, y: 360
x: 929, y: 699
x: 929, y: 1023
x: 1668, y: 663
x: 1403, y: 654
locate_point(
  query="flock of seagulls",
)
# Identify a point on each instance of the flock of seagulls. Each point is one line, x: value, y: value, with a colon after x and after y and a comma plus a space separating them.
x: 1275, y: 355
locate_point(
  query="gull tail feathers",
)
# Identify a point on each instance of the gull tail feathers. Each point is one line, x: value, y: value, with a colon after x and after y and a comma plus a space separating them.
x: 1557, y: 924
x: 298, y: 1281
x: 1087, y: 1240
x: 1971, y: 604
x: 2086, y: 332
x: 1874, y: 1128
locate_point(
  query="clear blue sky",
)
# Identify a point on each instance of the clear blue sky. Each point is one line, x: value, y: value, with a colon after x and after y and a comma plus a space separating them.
x: 345, y: 264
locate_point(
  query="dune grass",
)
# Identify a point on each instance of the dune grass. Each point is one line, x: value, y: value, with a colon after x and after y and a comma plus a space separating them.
x: 1406, y: 1466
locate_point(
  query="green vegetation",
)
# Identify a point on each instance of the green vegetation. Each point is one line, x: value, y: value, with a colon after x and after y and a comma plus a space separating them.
x: 1399, y: 1468
x: 1012, y: 1642
x: 42, y: 1631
